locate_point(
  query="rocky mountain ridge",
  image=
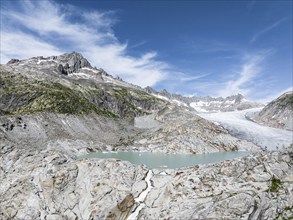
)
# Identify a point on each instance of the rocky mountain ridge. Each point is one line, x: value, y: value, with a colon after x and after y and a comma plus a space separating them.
x: 207, y: 103
x: 72, y: 68
x: 277, y: 113
x: 68, y: 84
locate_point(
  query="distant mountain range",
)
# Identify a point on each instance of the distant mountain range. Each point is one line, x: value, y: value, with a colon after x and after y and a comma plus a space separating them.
x: 207, y: 103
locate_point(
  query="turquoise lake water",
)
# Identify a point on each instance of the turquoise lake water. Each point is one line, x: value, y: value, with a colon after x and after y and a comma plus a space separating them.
x: 171, y: 161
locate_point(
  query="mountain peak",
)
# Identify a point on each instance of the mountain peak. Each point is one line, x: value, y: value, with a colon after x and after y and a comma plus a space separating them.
x: 66, y: 63
x: 164, y: 92
x: 72, y: 62
x: 71, y: 55
x: 149, y: 89
x: 237, y: 98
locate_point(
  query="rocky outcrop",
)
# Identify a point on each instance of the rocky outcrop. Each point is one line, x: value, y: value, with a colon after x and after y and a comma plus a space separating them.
x: 62, y: 70
x: 52, y: 184
x: 254, y: 187
x: 13, y: 61
x: 123, y: 209
x: 73, y: 62
x: 278, y: 113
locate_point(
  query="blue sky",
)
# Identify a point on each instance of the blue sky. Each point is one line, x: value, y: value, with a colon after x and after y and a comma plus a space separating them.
x: 216, y: 48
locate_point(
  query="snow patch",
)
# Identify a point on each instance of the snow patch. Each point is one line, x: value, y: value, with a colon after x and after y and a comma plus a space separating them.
x: 161, y: 97
x: 197, y: 107
x: 80, y: 75
x: 178, y: 102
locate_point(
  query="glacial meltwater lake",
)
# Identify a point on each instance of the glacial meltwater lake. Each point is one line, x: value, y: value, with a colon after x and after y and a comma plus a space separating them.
x: 168, y: 161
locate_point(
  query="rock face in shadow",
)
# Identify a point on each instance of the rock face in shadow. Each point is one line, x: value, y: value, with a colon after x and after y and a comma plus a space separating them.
x: 13, y: 61
x: 278, y: 113
x: 123, y: 209
x: 71, y: 63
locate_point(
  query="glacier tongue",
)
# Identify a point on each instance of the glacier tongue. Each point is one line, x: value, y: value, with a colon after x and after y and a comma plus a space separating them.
x: 237, y: 124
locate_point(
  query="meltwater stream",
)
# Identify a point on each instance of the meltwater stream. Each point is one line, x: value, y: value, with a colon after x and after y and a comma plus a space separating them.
x: 168, y: 161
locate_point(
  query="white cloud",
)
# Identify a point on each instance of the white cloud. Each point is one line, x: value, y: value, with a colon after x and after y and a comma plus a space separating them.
x: 243, y: 82
x: 187, y: 78
x: 275, y: 95
x: 20, y: 45
x: 101, y: 19
x: 212, y: 46
x: 43, y: 28
x: 267, y: 29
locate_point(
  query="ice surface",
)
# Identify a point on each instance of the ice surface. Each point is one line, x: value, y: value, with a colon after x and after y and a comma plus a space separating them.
x: 239, y: 126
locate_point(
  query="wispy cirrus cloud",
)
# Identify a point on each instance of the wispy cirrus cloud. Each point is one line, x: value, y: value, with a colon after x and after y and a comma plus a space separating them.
x: 246, y: 76
x: 35, y: 28
x: 267, y: 29
x: 22, y: 45
x: 275, y: 95
x: 244, y: 79
x: 192, y: 78
x: 212, y: 46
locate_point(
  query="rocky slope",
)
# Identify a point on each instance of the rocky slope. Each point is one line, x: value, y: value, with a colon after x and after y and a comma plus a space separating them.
x: 254, y: 187
x: 185, y: 132
x: 278, y: 113
x: 51, y: 184
x: 54, y: 109
x: 68, y: 84
x: 87, y: 109
x: 207, y: 103
x: 176, y: 131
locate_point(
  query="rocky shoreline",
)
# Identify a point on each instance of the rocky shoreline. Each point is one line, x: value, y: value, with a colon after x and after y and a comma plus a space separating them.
x: 51, y: 184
